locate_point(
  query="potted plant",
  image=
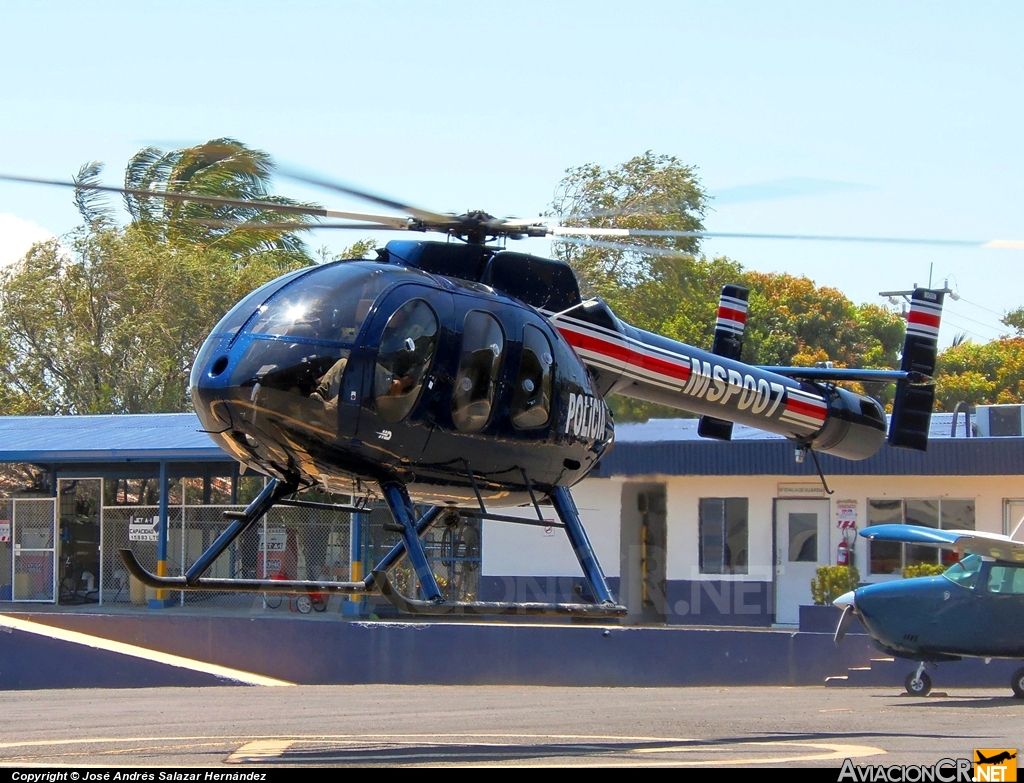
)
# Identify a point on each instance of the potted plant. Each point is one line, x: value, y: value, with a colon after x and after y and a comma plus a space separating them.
x: 829, y: 583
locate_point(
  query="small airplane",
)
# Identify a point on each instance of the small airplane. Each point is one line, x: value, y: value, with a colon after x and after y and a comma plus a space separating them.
x: 999, y: 758
x: 464, y: 376
x: 974, y: 609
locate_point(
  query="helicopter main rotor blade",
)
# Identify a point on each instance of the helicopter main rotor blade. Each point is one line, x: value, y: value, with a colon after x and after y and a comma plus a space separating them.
x: 622, y: 246
x: 583, y: 231
x: 253, y: 225
x: 219, y: 201
x: 420, y: 214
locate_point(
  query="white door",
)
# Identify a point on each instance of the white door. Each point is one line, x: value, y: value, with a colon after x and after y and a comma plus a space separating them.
x: 801, y: 545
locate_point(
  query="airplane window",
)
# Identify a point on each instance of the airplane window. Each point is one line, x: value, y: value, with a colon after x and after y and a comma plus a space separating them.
x: 531, y: 401
x: 327, y: 304
x: 406, y: 350
x: 1006, y: 580
x: 482, y: 346
x: 965, y: 573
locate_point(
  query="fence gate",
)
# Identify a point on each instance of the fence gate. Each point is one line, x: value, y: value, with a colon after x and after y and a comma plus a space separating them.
x: 27, y: 550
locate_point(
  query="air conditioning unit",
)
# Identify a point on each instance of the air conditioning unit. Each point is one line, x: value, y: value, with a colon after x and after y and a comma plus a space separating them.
x: 999, y: 421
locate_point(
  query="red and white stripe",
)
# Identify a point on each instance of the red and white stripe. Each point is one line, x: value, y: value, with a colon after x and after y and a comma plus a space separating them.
x: 606, y: 349
x: 803, y: 409
x: 609, y: 350
x: 924, y: 318
x: 732, y: 314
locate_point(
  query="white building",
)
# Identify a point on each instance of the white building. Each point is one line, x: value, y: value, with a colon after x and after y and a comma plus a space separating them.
x: 692, y: 531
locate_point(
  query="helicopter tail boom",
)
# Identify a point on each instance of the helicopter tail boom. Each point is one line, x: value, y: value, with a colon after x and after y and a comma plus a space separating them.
x: 646, y: 366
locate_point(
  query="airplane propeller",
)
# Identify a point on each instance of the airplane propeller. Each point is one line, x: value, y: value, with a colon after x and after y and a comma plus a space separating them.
x: 844, y: 624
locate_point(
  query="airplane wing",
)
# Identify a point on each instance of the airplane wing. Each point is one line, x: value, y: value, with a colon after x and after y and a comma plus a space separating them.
x: 964, y: 542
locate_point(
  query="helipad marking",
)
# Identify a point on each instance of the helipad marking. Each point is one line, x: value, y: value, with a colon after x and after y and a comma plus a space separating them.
x: 99, y: 643
x: 269, y: 749
x: 260, y: 750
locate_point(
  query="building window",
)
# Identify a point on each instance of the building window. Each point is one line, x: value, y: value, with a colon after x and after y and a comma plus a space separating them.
x: 888, y: 557
x: 723, y: 535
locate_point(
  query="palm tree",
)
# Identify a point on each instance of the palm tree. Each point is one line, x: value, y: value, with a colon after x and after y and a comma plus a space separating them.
x: 221, y: 167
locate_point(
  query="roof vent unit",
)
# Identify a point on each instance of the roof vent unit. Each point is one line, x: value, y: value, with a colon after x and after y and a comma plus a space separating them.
x: 1000, y: 421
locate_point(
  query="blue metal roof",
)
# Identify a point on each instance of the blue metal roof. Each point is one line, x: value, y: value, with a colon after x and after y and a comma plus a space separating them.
x: 672, y: 447
x: 126, y: 438
x: 657, y: 447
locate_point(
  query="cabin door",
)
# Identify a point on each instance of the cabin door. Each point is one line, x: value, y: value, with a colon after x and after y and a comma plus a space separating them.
x: 801, y: 546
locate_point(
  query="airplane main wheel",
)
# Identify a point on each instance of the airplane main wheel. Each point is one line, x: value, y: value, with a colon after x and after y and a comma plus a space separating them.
x: 920, y: 686
x: 1017, y: 683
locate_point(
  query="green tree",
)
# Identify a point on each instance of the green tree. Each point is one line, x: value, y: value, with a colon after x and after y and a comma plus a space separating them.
x: 109, y: 319
x: 986, y: 374
x: 646, y: 192
x: 670, y: 290
x: 220, y: 167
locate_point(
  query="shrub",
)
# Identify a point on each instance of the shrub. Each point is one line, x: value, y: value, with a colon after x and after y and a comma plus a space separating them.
x: 832, y: 581
x: 924, y: 569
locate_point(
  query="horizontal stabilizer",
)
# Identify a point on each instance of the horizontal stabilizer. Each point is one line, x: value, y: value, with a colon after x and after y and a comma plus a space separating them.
x: 717, y: 429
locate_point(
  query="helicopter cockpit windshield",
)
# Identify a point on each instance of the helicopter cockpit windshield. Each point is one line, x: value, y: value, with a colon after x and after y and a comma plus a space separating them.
x: 301, y: 339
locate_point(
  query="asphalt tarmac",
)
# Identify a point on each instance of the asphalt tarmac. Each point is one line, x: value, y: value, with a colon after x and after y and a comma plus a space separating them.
x: 394, y: 725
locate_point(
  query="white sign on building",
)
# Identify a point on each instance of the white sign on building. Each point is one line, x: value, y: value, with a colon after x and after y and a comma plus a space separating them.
x: 144, y: 528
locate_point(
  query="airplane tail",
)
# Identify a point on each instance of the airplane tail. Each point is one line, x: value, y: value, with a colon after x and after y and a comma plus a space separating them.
x: 732, y: 320
x: 912, y: 406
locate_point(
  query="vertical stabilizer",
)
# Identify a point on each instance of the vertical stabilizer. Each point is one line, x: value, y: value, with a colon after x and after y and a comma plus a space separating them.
x: 912, y: 406
x: 732, y: 320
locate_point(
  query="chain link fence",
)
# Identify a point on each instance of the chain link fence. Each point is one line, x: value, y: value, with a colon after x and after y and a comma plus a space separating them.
x: 27, y: 554
x: 288, y: 543
x: 452, y: 547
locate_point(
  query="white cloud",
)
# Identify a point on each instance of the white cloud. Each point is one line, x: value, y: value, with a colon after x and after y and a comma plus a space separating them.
x: 17, y: 236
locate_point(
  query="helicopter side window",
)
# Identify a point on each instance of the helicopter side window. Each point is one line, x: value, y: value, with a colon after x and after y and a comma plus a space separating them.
x: 482, y: 346
x: 965, y: 573
x: 1006, y: 580
x: 531, y: 401
x: 406, y: 350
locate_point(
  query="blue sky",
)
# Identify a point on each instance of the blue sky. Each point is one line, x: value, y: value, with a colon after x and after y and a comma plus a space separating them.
x: 865, y: 118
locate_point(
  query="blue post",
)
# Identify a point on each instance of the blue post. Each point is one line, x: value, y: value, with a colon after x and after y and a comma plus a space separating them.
x: 161, y: 599
x: 562, y: 500
x: 398, y: 502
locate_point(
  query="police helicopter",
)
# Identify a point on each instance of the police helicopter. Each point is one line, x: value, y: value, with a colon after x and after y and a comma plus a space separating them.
x: 466, y: 377
x: 974, y: 609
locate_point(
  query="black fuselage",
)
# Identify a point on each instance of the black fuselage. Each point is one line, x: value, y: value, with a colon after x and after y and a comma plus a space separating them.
x: 364, y: 372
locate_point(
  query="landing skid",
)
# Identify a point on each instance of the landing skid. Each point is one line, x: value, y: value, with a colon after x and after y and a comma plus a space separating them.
x: 377, y: 582
x: 490, y: 608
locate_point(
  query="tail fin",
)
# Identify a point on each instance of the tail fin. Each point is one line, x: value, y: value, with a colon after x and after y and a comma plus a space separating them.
x: 912, y: 407
x: 732, y: 320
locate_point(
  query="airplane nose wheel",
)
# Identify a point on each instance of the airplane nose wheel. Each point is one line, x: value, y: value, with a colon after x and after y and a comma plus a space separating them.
x: 918, y: 683
x: 1017, y: 683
